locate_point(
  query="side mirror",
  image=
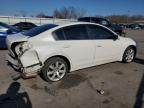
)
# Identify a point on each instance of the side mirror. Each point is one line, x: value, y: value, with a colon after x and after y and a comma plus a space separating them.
x: 115, y: 37
x: 9, y: 32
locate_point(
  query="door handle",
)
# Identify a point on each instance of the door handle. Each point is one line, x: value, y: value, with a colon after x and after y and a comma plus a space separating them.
x: 99, y: 46
x: 66, y: 46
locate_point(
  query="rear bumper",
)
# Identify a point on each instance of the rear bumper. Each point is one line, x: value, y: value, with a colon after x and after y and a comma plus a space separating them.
x: 12, y: 61
x: 26, y: 71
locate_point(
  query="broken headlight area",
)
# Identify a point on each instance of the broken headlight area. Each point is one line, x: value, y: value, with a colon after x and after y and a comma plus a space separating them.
x: 22, y: 47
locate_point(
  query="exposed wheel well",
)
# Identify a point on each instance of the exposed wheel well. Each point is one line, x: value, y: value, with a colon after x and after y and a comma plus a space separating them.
x: 64, y: 58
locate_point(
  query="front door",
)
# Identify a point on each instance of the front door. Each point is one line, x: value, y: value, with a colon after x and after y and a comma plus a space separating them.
x: 107, y: 46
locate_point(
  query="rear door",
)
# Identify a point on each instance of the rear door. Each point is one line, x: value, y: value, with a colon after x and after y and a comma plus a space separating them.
x: 77, y: 45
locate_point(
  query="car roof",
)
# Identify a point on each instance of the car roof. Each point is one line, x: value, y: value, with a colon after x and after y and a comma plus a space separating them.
x: 91, y: 18
x: 76, y: 23
x: 25, y: 22
x: 21, y: 23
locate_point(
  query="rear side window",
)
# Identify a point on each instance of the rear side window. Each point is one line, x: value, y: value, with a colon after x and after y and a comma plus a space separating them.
x: 97, y: 32
x: 76, y: 32
x: 59, y: 35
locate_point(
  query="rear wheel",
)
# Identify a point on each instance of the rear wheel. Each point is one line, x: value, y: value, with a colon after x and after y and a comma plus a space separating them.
x: 129, y: 55
x: 54, y: 69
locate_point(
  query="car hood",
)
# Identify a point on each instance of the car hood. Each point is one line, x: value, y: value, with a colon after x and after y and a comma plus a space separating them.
x: 16, y: 38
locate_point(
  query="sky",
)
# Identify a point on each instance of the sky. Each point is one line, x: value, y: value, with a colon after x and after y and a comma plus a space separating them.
x: 92, y: 7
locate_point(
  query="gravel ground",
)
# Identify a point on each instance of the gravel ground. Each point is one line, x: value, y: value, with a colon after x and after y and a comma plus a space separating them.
x: 123, y: 85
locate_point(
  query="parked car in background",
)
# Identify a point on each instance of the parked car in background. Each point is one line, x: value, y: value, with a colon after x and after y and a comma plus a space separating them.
x: 24, y: 25
x: 134, y: 26
x: 5, y: 30
x: 141, y: 26
x: 55, y: 50
x: 123, y: 26
x: 118, y: 29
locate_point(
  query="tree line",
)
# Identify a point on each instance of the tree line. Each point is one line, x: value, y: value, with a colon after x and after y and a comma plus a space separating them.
x: 65, y: 13
x: 74, y: 13
x: 124, y: 18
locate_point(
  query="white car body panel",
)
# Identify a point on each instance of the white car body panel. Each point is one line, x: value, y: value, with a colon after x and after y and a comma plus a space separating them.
x: 73, y: 50
x: 80, y: 53
x: 16, y: 38
x: 28, y: 58
x: 107, y: 50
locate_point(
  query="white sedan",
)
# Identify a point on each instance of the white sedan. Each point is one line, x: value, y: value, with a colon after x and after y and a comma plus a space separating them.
x: 55, y: 50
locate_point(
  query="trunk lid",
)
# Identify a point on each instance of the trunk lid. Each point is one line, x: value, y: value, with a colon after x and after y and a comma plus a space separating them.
x: 15, y: 38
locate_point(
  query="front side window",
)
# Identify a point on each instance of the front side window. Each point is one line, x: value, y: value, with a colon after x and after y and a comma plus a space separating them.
x: 97, y: 32
x: 76, y: 32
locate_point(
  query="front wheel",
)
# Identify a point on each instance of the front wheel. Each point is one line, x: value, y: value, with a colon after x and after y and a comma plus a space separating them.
x: 54, y: 69
x: 129, y: 55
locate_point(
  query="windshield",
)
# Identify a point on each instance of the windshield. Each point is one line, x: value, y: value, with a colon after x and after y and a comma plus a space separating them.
x: 9, y: 27
x: 37, y: 30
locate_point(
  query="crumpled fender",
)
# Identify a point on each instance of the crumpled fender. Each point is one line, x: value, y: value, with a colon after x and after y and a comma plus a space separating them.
x: 30, y: 58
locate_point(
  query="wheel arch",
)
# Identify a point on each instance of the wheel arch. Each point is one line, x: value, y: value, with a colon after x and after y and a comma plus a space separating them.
x: 134, y: 47
x: 63, y: 57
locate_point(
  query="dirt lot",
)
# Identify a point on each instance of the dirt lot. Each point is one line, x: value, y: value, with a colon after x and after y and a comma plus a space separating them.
x: 123, y: 85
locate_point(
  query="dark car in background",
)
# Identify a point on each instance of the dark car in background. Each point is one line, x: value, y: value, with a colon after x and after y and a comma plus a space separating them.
x: 134, y: 26
x: 24, y: 26
x: 118, y: 29
x: 141, y: 26
x: 6, y: 30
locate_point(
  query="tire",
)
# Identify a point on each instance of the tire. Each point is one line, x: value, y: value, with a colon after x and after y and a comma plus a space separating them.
x: 129, y: 55
x: 54, y: 69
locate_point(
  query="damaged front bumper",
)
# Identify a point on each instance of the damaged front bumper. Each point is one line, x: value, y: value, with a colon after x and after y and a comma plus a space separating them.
x: 29, y: 63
